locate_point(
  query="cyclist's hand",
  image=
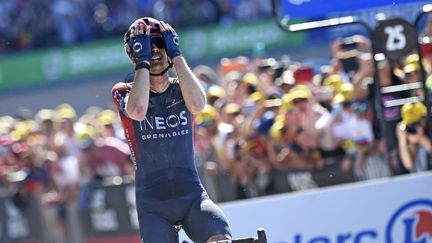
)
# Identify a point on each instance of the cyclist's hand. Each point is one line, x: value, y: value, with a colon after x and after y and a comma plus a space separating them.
x: 172, y: 45
x: 138, y: 43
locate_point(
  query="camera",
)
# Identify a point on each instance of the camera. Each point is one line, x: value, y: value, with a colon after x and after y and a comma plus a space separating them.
x: 350, y: 53
x: 411, y: 129
x: 349, y: 61
x: 349, y: 43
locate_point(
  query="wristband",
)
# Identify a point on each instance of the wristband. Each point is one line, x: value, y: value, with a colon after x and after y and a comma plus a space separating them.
x: 142, y: 65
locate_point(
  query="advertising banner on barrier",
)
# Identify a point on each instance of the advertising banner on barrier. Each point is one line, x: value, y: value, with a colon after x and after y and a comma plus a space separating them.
x: 236, y: 39
x: 20, y: 223
x: 104, y: 57
x: 59, y: 64
x: 111, y: 215
x: 394, y: 210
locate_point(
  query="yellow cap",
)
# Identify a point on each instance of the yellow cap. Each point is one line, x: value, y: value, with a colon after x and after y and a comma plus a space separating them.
x: 106, y: 117
x: 232, y: 108
x: 410, y: 59
x: 65, y: 111
x: 413, y: 112
x: 209, y: 113
x: 412, y: 63
x: 216, y: 91
x: 300, y: 91
x: 345, y: 94
x: 87, y: 131
x: 250, y: 78
x: 276, y: 129
x: 334, y: 81
x: 256, y: 97
x: 411, y: 67
x: 287, y: 102
x: 22, y: 129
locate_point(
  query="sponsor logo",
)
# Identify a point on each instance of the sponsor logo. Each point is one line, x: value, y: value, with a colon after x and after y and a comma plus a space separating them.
x: 174, y: 102
x: 156, y: 127
x: 159, y: 123
x: 411, y: 223
x: 176, y: 40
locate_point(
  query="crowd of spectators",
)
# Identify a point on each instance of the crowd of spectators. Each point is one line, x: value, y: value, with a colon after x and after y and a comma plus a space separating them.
x: 265, y: 117
x: 30, y: 24
x: 56, y: 157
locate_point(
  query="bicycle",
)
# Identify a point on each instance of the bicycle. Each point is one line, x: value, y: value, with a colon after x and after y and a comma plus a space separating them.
x: 260, y: 238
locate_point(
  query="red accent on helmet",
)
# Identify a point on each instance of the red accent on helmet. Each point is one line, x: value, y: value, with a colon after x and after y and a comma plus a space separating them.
x: 149, y: 22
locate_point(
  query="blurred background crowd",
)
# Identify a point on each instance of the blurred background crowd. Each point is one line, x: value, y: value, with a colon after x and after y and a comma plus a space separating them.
x: 30, y: 24
x: 271, y: 125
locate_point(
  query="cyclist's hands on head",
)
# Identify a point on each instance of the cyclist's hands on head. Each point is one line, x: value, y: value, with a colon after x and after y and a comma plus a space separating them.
x: 138, y: 43
x: 171, y: 38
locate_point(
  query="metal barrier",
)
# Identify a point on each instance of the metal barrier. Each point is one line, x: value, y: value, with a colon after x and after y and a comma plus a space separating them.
x: 106, y: 212
x: 110, y: 215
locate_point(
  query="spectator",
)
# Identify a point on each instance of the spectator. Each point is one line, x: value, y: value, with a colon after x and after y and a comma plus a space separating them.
x: 414, y: 145
x: 216, y: 166
x: 305, y: 113
x: 370, y: 157
x: 286, y: 157
x: 65, y: 135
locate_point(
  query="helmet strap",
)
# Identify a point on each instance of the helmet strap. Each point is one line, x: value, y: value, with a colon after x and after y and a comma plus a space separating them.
x: 170, y: 65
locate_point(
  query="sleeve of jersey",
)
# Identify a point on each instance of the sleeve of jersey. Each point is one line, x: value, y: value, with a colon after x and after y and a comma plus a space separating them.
x: 118, y: 93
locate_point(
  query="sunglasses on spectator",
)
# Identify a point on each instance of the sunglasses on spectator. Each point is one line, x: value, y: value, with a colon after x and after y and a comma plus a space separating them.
x: 158, y: 41
x: 299, y: 100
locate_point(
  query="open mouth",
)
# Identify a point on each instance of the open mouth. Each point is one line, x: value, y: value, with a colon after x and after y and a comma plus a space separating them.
x: 156, y: 59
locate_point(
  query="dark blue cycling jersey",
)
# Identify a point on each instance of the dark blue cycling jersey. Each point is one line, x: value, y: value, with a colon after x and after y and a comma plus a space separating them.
x: 161, y: 145
x: 168, y: 189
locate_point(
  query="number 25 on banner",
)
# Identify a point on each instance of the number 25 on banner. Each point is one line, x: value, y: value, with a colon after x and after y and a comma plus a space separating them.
x: 395, y: 38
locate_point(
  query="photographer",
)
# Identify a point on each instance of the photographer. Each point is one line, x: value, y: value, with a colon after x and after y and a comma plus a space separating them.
x: 353, y: 62
x: 415, y: 147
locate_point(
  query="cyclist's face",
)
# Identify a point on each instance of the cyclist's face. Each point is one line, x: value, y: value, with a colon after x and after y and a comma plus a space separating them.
x: 159, y: 56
